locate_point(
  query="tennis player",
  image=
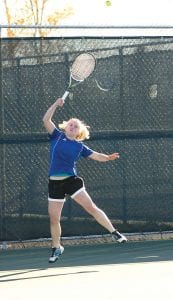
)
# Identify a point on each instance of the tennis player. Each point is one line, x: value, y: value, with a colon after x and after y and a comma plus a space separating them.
x: 66, y: 148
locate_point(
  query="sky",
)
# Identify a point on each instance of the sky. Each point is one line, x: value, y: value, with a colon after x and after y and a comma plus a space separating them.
x: 151, y: 13
x: 120, y: 13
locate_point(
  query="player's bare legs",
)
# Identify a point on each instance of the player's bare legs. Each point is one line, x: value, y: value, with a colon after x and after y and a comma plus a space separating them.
x: 86, y: 202
x: 55, y: 209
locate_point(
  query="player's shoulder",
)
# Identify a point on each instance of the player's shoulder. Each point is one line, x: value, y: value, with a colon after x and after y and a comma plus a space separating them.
x: 56, y: 133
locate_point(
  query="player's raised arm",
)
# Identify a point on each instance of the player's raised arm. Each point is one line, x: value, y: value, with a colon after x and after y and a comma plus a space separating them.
x: 47, y: 119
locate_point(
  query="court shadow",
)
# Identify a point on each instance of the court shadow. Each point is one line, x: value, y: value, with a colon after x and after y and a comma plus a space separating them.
x: 17, y: 275
x: 31, y: 260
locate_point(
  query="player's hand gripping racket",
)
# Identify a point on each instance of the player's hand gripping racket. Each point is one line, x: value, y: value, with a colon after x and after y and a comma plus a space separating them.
x: 81, y: 68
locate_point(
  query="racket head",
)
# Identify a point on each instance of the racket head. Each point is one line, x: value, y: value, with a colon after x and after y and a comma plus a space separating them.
x: 83, y: 66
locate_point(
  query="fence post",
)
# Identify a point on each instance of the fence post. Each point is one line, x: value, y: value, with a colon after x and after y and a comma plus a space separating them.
x: 124, y: 185
x: 2, y: 151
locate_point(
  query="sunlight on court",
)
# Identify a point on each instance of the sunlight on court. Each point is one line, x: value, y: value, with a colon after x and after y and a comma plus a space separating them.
x: 136, y: 271
x: 149, y: 280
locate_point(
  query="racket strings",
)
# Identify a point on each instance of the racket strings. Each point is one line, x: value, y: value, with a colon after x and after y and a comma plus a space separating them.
x: 82, y: 67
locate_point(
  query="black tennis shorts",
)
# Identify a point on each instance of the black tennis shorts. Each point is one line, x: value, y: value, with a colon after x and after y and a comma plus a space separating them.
x: 58, y: 189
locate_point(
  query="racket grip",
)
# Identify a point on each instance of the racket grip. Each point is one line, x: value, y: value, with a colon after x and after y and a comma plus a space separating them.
x: 65, y: 95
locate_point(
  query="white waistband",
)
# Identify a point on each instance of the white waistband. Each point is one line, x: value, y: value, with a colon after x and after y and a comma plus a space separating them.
x: 58, y: 177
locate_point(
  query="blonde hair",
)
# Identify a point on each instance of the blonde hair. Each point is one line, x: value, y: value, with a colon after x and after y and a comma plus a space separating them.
x: 83, y: 129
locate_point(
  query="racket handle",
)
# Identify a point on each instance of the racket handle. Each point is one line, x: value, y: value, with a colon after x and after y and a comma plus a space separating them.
x: 65, y: 95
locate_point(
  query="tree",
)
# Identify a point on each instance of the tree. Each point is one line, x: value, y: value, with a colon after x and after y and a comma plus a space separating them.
x: 33, y: 12
x: 30, y: 12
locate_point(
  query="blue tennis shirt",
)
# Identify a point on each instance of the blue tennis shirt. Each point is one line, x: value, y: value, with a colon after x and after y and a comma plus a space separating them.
x: 64, y: 153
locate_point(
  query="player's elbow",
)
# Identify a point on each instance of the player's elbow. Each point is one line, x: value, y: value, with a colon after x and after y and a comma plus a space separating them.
x: 45, y: 120
x: 96, y: 156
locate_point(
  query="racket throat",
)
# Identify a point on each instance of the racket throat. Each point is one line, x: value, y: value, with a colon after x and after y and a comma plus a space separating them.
x: 65, y: 95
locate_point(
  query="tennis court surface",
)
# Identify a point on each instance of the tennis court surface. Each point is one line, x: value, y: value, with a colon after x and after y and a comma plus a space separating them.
x: 136, y: 270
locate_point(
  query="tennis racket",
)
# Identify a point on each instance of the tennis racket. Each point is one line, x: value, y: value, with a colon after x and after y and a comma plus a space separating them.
x: 82, y: 67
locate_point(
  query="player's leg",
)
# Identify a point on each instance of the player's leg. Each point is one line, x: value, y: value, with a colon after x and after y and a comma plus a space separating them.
x: 56, y: 200
x: 55, y: 209
x: 86, y: 202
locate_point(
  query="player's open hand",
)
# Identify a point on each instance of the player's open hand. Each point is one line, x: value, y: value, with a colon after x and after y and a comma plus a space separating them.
x: 113, y: 156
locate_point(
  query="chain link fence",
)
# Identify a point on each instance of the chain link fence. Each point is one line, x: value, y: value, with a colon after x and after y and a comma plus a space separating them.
x: 134, y: 118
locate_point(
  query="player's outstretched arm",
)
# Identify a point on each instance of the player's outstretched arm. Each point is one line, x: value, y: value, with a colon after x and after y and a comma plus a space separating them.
x: 104, y: 157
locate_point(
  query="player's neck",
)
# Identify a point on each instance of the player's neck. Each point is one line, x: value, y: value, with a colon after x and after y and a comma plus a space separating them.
x: 70, y: 137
